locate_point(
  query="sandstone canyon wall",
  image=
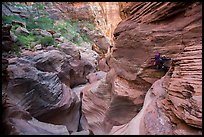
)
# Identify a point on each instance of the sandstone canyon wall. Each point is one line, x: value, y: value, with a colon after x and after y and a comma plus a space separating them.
x: 174, y: 105
x: 106, y: 15
x: 61, y: 90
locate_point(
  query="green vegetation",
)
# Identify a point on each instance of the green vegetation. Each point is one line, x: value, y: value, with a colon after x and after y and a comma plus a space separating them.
x: 41, y: 23
x: 47, y: 41
x: 16, y: 49
x: 8, y: 19
x: 89, y: 25
x: 38, y: 18
x: 71, y: 30
x: 25, y: 40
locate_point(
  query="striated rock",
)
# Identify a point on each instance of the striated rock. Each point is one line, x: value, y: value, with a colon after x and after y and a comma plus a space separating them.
x: 17, y: 121
x: 121, y: 100
x: 173, y: 101
x: 70, y: 68
x: 173, y: 29
x: 114, y: 105
x: 68, y: 115
x: 40, y: 82
x: 95, y: 102
x: 5, y: 10
x: 151, y: 119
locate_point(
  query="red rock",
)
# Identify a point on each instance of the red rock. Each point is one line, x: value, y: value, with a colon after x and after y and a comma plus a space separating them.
x: 17, y: 121
x: 151, y: 27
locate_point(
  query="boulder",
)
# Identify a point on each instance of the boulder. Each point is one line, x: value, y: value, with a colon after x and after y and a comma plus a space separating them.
x: 52, y: 31
x: 60, y: 39
x: 36, y: 31
x: 98, y: 38
x: 17, y: 121
x: 45, y: 33
x: 22, y: 30
x: 13, y: 37
x: 56, y: 35
x: 38, y: 47
x: 40, y: 81
x: 22, y: 24
x: 93, y: 77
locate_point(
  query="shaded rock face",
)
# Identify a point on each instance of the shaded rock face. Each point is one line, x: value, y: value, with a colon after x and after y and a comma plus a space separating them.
x: 112, y: 101
x: 175, y: 30
x: 40, y: 83
x: 7, y: 45
x: 107, y: 17
x: 173, y: 101
x: 120, y: 100
x: 17, y: 121
x: 7, y: 42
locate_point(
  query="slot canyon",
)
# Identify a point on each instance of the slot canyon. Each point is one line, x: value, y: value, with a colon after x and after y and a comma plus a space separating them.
x: 90, y: 68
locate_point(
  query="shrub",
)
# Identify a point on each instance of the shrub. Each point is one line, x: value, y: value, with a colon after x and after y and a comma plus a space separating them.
x: 25, y: 40
x: 38, y: 6
x: 90, y: 26
x: 41, y: 22
x: 14, y: 27
x: 16, y: 49
x: 47, y: 41
x: 10, y: 18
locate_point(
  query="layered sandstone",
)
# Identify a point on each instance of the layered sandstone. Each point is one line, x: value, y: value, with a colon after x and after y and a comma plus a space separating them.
x: 130, y: 97
x: 39, y: 86
x: 173, y: 29
x: 173, y: 104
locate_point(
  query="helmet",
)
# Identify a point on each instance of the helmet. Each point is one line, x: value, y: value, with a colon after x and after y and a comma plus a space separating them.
x: 163, y: 56
x: 157, y: 55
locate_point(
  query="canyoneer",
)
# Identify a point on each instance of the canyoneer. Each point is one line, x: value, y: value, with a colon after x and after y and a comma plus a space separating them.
x: 159, y: 62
